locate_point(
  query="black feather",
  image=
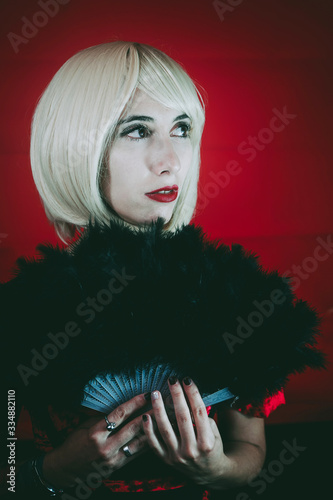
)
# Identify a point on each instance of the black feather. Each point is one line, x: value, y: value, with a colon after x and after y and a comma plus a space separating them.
x: 179, y: 296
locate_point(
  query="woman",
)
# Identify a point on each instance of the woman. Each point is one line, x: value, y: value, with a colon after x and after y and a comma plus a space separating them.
x: 116, y: 144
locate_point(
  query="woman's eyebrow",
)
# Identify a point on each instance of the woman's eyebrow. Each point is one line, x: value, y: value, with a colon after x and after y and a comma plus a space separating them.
x: 132, y: 118
x: 181, y: 117
x: 144, y: 118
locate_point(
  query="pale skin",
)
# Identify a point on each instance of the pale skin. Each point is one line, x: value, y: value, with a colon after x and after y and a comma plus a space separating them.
x: 198, y: 452
x: 146, y: 155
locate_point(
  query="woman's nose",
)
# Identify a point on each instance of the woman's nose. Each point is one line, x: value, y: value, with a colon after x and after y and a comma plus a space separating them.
x: 163, y: 157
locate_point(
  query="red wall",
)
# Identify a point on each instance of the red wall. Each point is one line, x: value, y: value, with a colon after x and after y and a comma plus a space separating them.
x: 256, y: 59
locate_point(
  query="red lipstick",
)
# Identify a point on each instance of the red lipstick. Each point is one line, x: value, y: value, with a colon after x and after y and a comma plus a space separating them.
x: 165, y: 194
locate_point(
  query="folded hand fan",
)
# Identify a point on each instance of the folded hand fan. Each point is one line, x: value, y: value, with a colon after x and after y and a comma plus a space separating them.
x: 107, y: 391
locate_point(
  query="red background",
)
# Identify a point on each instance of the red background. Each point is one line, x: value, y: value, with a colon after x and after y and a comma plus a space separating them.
x: 257, y: 56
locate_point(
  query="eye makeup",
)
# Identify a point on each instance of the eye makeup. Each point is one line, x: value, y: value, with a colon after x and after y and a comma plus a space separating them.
x: 143, y: 128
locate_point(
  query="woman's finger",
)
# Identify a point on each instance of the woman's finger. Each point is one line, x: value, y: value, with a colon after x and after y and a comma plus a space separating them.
x: 111, y: 424
x: 131, y: 450
x: 162, y: 422
x: 204, y: 432
x: 182, y: 413
x: 129, y: 432
x: 125, y: 411
x: 152, y: 439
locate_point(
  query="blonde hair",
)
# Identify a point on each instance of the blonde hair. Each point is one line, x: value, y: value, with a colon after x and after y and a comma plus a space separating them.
x: 75, y: 120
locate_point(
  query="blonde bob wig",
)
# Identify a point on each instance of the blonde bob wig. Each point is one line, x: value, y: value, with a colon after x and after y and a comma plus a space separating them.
x: 76, y: 118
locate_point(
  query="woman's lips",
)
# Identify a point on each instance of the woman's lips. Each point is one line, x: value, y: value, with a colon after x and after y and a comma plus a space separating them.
x: 164, y: 195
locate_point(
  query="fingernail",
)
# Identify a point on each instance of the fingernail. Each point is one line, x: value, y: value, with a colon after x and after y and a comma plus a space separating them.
x: 148, y: 396
x: 187, y: 381
x: 172, y: 380
x: 144, y: 418
x: 154, y: 395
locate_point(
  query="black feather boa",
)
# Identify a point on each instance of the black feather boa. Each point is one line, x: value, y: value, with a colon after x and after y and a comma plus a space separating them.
x: 125, y: 297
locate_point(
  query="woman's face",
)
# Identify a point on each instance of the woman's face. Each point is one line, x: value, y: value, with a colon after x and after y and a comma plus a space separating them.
x: 148, y: 161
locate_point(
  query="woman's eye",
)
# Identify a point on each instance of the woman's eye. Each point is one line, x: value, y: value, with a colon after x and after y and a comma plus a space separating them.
x: 183, y: 130
x: 137, y: 133
x: 140, y: 132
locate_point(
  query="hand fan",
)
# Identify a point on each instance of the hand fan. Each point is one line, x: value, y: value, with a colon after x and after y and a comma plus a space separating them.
x: 107, y: 391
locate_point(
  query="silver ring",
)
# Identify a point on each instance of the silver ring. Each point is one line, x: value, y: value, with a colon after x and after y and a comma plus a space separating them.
x: 109, y: 425
x: 126, y: 450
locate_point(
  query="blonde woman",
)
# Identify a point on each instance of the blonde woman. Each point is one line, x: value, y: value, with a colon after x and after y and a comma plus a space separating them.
x: 115, y: 155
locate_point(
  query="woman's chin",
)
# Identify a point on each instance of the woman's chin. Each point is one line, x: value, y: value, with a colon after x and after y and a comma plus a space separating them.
x: 161, y: 215
x: 144, y: 221
x: 153, y: 218
x: 147, y: 218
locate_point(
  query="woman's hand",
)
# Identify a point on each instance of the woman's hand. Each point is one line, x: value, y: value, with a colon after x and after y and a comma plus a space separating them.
x: 196, y: 450
x: 91, y: 443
